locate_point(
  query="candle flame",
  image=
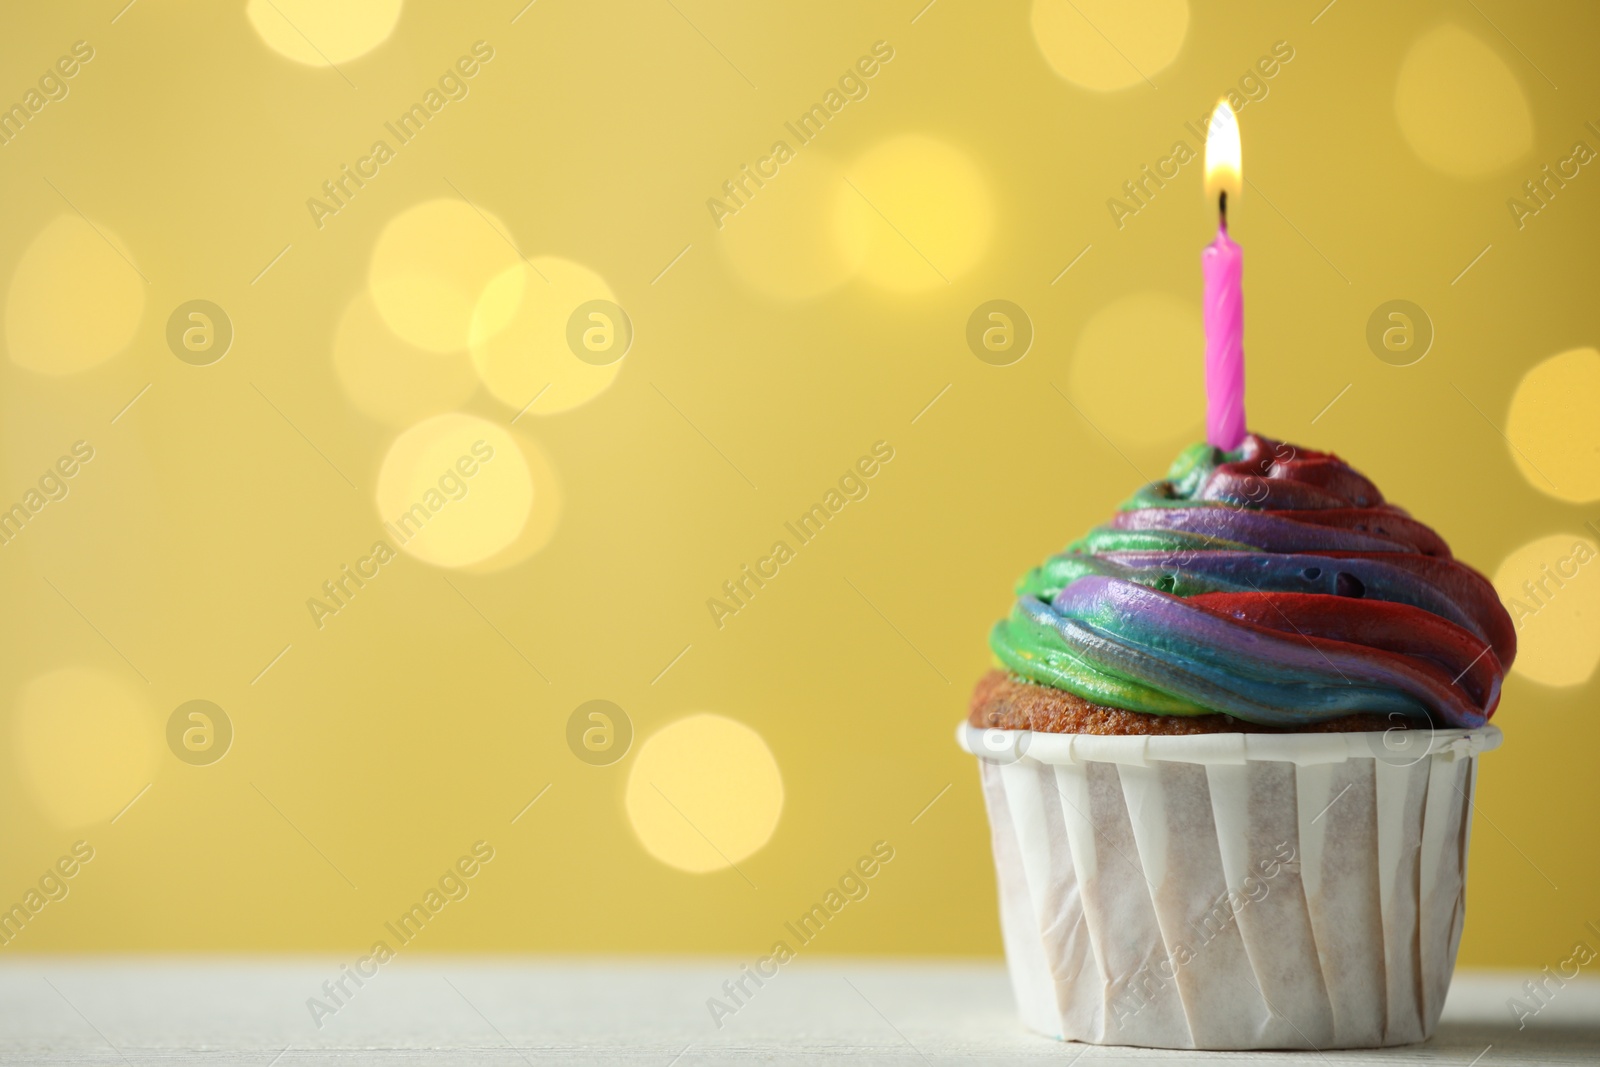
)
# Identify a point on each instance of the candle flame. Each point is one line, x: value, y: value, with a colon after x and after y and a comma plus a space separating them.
x: 1224, y: 171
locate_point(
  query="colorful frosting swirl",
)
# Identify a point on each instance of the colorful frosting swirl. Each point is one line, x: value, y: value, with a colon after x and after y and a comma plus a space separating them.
x: 1272, y: 584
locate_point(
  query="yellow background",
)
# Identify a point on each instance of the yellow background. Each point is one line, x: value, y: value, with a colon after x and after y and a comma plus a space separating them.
x: 422, y: 718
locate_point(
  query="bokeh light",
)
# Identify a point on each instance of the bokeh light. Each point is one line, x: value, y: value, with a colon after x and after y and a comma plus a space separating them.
x: 429, y: 267
x: 390, y: 380
x: 1553, y: 428
x: 1107, y: 45
x: 703, y: 793
x: 86, y: 743
x: 75, y: 300
x: 317, y: 33
x: 454, y: 490
x: 1136, y: 372
x: 780, y: 242
x: 520, y: 344
x: 922, y: 210
x: 1460, y: 108
x: 544, y: 517
x: 1551, y: 586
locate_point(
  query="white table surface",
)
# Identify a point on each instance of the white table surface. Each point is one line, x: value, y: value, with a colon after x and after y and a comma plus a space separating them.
x: 442, y: 1010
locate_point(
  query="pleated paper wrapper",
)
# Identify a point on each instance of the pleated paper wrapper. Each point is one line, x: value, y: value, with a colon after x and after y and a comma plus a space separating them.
x: 1231, y: 891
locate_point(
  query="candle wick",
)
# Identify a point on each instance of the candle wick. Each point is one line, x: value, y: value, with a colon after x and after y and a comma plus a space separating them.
x: 1222, y: 207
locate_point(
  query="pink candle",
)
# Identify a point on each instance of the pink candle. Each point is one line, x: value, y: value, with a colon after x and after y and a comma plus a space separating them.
x: 1223, y: 265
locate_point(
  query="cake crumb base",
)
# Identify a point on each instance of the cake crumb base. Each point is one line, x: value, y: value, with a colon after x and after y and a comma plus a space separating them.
x: 1009, y: 703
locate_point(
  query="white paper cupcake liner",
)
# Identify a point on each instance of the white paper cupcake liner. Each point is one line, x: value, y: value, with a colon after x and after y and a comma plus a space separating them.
x: 1231, y: 891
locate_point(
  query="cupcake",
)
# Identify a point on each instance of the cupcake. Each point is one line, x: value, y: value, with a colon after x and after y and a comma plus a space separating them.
x: 1228, y: 753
